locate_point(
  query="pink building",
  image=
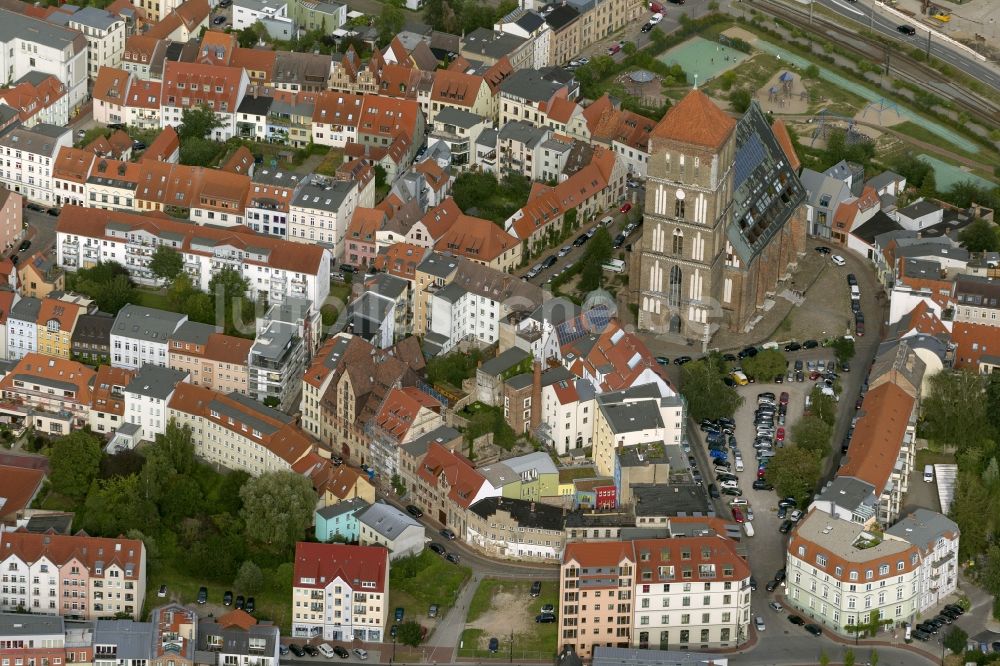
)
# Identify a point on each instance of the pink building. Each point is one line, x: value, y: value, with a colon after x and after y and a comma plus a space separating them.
x: 213, y: 360
x: 11, y: 217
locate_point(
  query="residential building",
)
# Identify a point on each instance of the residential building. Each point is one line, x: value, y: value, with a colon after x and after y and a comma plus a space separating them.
x: 237, y: 432
x: 56, y: 321
x: 405, y: 414
x: 248, y: 12
x: 302, y: 315
x: 175, y: 630
x: 21, y: 485
x: 824, y: 195
x: 459, y: 130
x: 130, y: 641
x: 339, y: 592
x: 977, y: 300
x: 336, y: 483
x: 213, y: 360
x: 107, y: 403
x: 33, y: 44
x: 51, y: 394
x: 564, y: 41
x: 639, y: 415
x: 105, y: 33
x: 318, y: 14
x: 383, y: 524
x: 320, y: 213
x: 275, y: 364
x: 688, y: 592
x: 839, y: 573
x: 141, y: 336
x: 529, y: 477
x: 38, y: 98
x: 268, y: 207
x: 91, y: 340
x: 11, y: 217
x: 525, y: 93
x: 346, y: 385
x: 187, y: 84
x: 339, y: 520
x: 463, y: 92
x: 38, y: 276
x: 883, y: 447
x: 516, y: 529
x: 147, y: 397
x: 381, y: 314
x: 79, y: 576
x: 31, y: 153
x: 491, y: 374
x: 936, y: 538
x: 22, y: 328
x: 237, y: 638
x: 445, y: 484
x: 699, y: 217
x: 44, y: 637
x: 275, y: 269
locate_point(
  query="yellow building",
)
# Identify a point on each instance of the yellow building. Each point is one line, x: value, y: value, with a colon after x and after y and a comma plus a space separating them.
x: 56, y: 321
x: 39, y: 276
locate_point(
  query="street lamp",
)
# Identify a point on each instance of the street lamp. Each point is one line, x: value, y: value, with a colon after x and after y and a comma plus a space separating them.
x: 393, y: 658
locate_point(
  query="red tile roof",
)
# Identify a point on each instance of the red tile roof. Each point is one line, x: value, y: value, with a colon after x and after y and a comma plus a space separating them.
x: 476, y: 238
x: 401, y: 260
x: 73, y: 164
x: 338, y: 108
x: 885, y: 414
x: 400, y: 408
x: 104, y: 399
x: 91, y: 223
x: 456, y: 88
x: 611, y: 356
x: 19, y: 486
x: 237, y: 618
x: 785, y: 141
x: 53, y: 369
x: 29, y: 99
x: 163, y: 146
x: 326, y: 562
x: 202, y: 84
x: 696, y: 120
x: 973, y: 342
x: 463, y: 481
x: 61, y: 549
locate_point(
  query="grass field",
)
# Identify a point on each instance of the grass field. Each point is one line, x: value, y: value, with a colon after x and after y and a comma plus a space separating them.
x: 431, y: 580
x: 152, y: 299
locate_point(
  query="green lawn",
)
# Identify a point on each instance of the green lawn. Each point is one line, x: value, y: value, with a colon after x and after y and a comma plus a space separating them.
x: 539, y: 641
x: 416, y: 583
x: 152, y: 299
x: 928, y: 457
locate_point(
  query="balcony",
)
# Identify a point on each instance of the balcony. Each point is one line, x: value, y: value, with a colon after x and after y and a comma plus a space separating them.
x: 316, y: 595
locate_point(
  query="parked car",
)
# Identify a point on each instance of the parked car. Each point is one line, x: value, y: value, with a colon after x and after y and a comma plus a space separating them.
x: 218, y: 20
x: 907, y: 30
x: 452, y: 557
x: 626, y: 207
x: 581, y: 239
x: 240, y: 602
x: 414, y: 511
x: 759, y: 623
x: 494, y: 645
x: 536, y: 588
x: 545, y: 618
x: 25, y: 244
x: 341, y: 651
x: 437, y: 548
x: 432, y: 611
x: 786, y: 527
x: 296, y: 650
x: 814, y: 629
x: 310, y: 650
x: 202, y: 595
x: 796, y: 620
x: 447, y: 534
x: 793, y: 347
x: 361, y: 653
x: 162, y: 592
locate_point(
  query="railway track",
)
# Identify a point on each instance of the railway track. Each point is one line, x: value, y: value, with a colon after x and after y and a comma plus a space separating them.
x: 901, y: 65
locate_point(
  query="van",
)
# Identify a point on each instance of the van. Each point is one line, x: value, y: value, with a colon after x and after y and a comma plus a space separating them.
x: 739, y: 464
x: 929, y: 473
x: 855, y: 292
x: 614, y: 266
x: 325, y: 650
x: 607, y: 221
x: 769, y: 345
x: 739, y: 501
x: 739, y: 377
x: 748, y: 528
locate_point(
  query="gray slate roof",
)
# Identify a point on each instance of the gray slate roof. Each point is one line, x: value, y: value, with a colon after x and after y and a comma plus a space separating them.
x: 923, y: 528
x: 534, y: 515
x: 194, y: 332
x: 503, y: 361
x: 154, y: 381
x: 387, y: 520
x: 142, y: 323
x: 351, y: 505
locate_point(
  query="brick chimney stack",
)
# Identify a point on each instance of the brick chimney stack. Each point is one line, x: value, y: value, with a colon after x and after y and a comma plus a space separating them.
x: 536, y: 396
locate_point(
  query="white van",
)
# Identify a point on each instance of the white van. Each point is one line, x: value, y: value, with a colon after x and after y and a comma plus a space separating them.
x: 739, y: 501
x: 769, y: 345
x: 614, y: 265
x: 325, y: 650
x: 748, y: 528
x: 929, y: 473
x: 855, y: 292
x: 607, y: 221
x: 739, y: 464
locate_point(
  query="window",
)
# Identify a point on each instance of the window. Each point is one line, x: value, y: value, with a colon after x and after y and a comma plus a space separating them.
x: 679, y: 209
x: 678, y: 245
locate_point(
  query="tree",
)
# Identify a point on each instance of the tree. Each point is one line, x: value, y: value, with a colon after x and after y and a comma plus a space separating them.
x: 956, y: 639
x: 928, y: 188
x: 843, y: 348
x: 408, y: 633
x: 277, y: 509
x: 75, y: 462
x: 108, y: 283
x: 824, y: 658
x: 812, y: 434
x: 229, y: 492
x: 231, y: 287
x: 965, y: 193
x: 197, y: 123
x: 706, y: 394
x: 740, y: 100
x: 765, y: 365
x: 849, y: 657
x: 873, y: 659
x: 197, y: 151
x: 823, y: 406
x: 389, y: 23
x: 954, y: 412
x: 166, y: 263
x: 115, y: 506
x: 980, y: 236
x: 250, y: 579
x: 794, y: 472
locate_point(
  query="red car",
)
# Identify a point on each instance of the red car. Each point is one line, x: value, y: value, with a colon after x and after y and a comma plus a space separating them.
x: 762, y: 472
x: 779, y: 435
x: 737, y: 514
x: 814, y: 375
x: 626, y: 207
x: 784, y: 398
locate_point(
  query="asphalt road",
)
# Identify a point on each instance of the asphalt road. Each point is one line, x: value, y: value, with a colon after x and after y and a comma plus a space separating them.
x: 861, y: 12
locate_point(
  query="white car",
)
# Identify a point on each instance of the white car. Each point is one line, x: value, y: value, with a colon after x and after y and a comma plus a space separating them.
x: 838, y: 260
x: 566, y: 250
x: 776, y: 607
x: 729, y: 484
x: 796, y: 516
x: 655, y: 18
x: 759, y: 622
x: 749, y: 513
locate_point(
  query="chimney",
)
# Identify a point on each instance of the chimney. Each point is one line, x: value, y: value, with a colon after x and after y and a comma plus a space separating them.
x: 536, y: 396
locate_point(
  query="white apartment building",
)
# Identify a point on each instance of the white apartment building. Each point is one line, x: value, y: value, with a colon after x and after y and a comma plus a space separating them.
x: 22, y: 328
x: 147, y: 397
x: 838, y: 574
x: 237, y: 432
x: 569, y: 411
x: 936, y: 538
x: 683, y: 593
x: 30, y: 44
x: 340, y: 592
x: 321, y: 211
x: 105, y: 33
x: 188, y: 84
x: 140, y: 336
x: 28, y: 156
x: 248, y: 12
x: 275, y: 269
x: 86, y: 577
